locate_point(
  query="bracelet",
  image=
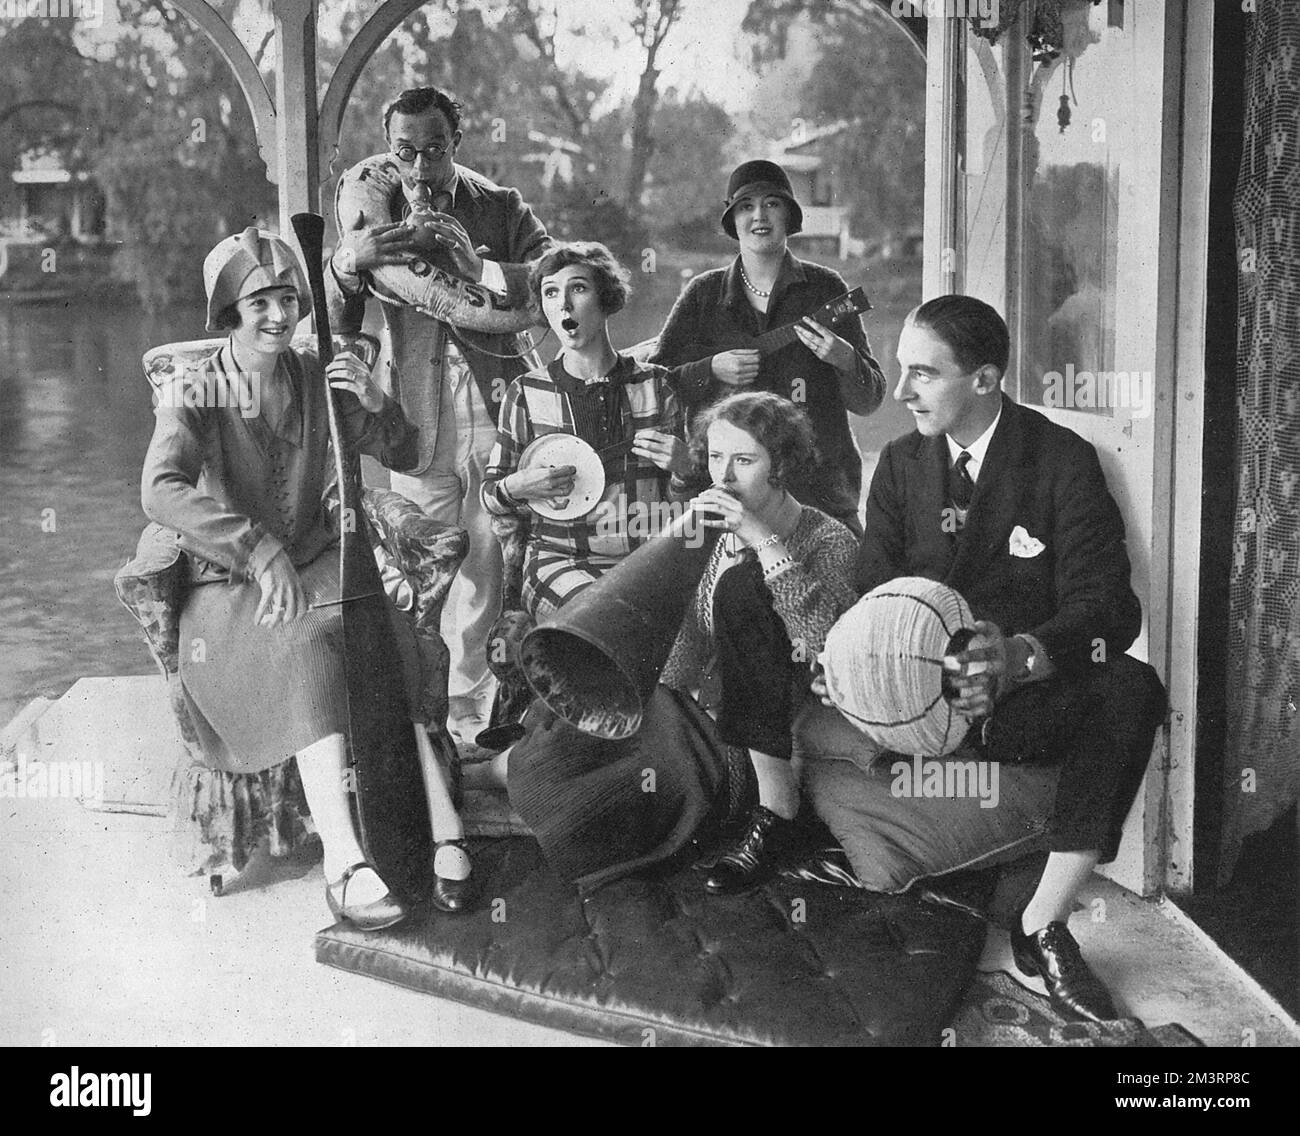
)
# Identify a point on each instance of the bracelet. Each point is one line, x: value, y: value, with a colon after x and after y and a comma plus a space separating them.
x: 774, y: 570
x: 766, y: 542
x: 508, y: 497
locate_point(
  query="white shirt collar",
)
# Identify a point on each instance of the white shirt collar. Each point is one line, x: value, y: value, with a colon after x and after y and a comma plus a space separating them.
x: 977, y: 449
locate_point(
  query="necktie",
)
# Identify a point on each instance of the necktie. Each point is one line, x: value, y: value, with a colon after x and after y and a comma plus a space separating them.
x: 961, y: 486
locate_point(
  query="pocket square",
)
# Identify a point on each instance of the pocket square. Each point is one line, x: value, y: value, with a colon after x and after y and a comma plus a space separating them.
x: 1024, y: 545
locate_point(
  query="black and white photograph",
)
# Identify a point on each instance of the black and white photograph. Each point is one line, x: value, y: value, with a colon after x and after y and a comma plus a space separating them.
x: 554, y: 523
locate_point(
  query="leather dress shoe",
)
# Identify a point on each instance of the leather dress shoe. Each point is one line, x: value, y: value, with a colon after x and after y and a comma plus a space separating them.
x: 373, y: 916
x: 1053, y: 955
x: 450, y: 895
x: 749, y: 860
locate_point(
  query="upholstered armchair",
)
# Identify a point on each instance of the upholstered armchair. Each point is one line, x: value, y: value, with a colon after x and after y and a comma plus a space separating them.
x: 418, y: 559
x: 513, y: 694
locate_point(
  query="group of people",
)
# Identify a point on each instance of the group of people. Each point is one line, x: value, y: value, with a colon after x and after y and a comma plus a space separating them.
x: 753, y: 443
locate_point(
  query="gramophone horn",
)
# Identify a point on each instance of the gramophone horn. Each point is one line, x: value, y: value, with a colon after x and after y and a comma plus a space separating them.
x: 595, y: 662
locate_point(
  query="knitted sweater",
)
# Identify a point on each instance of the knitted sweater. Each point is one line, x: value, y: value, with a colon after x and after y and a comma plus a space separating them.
x: 809, y: 596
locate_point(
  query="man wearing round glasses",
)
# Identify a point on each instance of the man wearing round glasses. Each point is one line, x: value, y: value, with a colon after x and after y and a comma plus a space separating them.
x: 448, y: 378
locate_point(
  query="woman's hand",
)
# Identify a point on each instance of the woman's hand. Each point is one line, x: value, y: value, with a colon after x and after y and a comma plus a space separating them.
x: 347, y: 372
x: 542, y: 483
x: 668, y: 452
x: 282, y: 596
x: 718, y: 509
x: 735, y: 368
x: 826, y: 345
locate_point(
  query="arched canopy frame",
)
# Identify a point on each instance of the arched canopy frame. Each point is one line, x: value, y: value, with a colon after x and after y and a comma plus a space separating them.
x: 297, y: 135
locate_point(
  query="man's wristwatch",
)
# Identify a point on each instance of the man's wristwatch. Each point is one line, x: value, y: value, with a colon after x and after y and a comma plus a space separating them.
x: 1031, y: 660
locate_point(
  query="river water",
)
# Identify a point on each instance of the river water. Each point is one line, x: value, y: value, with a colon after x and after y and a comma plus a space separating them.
x: 75, y: 420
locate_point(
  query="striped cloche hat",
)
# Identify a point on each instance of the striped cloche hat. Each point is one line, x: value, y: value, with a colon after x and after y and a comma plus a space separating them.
x: 246, y: 263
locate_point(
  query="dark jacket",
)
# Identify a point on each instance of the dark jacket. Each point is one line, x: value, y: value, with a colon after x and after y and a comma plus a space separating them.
x: 712, y: 316
x: 1040, y: 477
x: 496, y: 217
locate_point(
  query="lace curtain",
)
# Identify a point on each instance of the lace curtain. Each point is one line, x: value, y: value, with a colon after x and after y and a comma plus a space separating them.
x: 1262, y: 762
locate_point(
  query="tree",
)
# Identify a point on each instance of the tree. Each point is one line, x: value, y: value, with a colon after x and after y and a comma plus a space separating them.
x: 652, y: 20
x: 871, y: 77
x: 690, y: 163
x: 159, y: 121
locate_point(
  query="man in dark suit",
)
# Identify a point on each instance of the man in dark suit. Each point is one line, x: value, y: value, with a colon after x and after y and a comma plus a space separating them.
x: 1012, y: 511
x: 449, y: 379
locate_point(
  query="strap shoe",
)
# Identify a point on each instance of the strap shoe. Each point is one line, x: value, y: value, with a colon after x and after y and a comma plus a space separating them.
x: 450, y: 894
x: 374, y: 916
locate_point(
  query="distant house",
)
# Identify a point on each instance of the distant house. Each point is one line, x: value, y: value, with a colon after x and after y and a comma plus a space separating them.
x: 805, y: 158
x: 54, y: 200
x: 555, y: 155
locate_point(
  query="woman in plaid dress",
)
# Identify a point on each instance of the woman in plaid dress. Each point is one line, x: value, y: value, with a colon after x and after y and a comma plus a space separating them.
x: 604, y: 398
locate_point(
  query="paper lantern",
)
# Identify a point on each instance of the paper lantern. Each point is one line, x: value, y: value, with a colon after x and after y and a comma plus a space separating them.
x: 884, y: 665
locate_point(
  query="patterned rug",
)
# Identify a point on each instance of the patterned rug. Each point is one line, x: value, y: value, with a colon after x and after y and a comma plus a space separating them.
x: 998, y: 1011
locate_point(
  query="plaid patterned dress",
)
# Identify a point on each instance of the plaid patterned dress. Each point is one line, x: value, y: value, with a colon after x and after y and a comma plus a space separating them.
x: 563, y: 557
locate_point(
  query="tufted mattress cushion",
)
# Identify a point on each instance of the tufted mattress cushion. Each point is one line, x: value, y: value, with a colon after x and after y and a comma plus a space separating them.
x: 657, y: 961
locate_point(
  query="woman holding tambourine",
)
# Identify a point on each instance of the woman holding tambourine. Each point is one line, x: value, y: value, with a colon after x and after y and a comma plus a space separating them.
x: 591, y: 445
x: 710, y: 338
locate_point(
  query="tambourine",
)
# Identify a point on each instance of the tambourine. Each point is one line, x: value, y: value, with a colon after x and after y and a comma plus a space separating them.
x: 551, y: 450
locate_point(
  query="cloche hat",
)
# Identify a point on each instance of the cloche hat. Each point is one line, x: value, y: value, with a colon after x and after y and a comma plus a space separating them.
x: 246, y: 263
x: 759, y: 179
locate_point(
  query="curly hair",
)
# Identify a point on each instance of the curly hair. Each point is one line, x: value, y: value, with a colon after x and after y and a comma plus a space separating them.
x: 775, y: 423
x: 613, y: 281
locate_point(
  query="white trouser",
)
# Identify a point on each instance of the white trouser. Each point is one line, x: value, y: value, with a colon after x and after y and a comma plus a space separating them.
x: 449, y: 491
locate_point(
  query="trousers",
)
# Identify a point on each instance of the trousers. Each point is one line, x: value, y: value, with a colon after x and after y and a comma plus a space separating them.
x: 1099, y: 724
x: 449, y: 492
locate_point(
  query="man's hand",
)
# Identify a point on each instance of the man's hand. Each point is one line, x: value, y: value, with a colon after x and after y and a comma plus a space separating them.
x: 818, y: 684
x: 735, y: 368
x: 983, y: 671
x: 451, y: 238
x: 282, y: 596
x: 362, y: 249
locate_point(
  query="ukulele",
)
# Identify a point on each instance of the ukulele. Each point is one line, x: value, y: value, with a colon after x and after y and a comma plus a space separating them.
x: 830, y: 313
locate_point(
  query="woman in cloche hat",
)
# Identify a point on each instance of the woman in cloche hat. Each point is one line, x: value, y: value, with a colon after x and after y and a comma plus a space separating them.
x: 237, y: 466
x: 709, y: 337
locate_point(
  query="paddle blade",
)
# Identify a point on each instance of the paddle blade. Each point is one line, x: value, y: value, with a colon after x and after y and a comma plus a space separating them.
x: 309, y: 228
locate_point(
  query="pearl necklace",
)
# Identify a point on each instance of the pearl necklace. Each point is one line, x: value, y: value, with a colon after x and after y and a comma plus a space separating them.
x: 757, y: 291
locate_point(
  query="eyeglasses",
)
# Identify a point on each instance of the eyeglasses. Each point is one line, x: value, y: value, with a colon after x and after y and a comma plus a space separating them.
x: 408, y: 153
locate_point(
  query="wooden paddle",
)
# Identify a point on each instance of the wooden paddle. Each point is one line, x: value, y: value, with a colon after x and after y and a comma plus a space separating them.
x: 390, y: 808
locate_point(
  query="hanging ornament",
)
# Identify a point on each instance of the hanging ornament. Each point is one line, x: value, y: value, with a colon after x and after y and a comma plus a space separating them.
x: 1063, y: 113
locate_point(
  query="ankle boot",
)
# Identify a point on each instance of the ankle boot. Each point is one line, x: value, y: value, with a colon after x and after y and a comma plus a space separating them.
x: 749, y: 860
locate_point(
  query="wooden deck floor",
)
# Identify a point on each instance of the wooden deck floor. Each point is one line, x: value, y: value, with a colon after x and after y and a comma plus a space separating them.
x: 104, y: 944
